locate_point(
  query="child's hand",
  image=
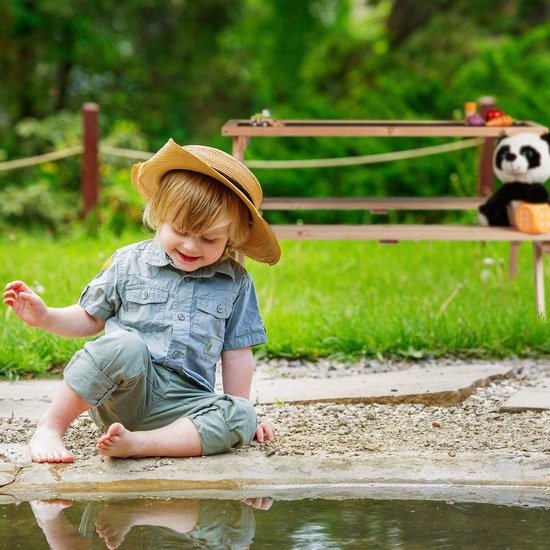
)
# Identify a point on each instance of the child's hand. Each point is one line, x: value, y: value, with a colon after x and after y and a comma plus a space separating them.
x: 27, y: 305
x: 265, y: 428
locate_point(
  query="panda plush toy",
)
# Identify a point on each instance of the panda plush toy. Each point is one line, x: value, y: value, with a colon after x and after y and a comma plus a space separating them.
x: 522, y: 163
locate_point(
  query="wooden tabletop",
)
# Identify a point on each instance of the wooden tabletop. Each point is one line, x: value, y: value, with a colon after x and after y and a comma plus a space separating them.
x: 376, y: 128
x: 372, y: 203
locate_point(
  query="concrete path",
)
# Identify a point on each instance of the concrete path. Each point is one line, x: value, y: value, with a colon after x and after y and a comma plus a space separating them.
x: 530, y: 399
x: 500, y: 477
x: 431, y: 386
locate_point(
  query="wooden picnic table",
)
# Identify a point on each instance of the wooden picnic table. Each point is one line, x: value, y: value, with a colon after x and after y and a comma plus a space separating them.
x: 242, y: 131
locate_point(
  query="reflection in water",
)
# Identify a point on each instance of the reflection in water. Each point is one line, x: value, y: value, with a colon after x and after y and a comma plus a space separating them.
x: 158, y: 523
x: 162, y: 523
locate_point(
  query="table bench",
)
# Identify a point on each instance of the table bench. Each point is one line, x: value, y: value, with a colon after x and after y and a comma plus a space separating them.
x: 242, y: 131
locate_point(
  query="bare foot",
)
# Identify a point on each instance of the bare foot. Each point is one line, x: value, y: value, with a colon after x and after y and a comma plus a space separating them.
x: 112, y: 525
x: 48, y: 510
x: 181, y: 438
x: 120, y: 443
x: 47, y: 446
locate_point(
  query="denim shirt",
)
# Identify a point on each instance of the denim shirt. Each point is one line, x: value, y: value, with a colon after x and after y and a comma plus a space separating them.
x: 186, y: 319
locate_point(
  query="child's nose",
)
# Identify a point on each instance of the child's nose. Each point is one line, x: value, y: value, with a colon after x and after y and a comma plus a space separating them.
x: 191, y: 244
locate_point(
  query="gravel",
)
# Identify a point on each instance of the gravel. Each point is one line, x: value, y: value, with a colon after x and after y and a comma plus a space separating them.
x: 351, y: 430
x: 477, y: 424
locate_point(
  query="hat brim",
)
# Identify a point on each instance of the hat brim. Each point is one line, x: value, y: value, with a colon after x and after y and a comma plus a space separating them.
x: 261, y: 244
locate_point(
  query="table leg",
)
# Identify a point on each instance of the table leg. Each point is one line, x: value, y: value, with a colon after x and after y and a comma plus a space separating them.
x: 539, y: 281
x: 239, y: 146
x: 513, y: 263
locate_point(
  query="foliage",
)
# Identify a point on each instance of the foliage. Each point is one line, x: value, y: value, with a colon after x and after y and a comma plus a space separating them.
x: 48, y: 196
x: 181, y: 69
x: 36, y: 208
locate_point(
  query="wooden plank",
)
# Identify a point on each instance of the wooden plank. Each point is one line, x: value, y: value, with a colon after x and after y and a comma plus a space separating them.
x: 397, y: 232
x: 376, y: 128
x: 372, y: 203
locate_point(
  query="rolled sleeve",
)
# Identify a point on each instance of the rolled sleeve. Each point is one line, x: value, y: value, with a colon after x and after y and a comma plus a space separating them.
x: 245, y: 326
x: 100, y: 298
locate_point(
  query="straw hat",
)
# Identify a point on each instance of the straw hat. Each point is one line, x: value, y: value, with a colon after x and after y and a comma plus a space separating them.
x: 261, y: 245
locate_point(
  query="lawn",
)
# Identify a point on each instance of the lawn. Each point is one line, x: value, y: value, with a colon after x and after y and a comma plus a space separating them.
x: 334, y: 298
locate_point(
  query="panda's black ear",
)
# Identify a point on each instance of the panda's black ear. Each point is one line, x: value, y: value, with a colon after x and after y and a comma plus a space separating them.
x: 546, y: 137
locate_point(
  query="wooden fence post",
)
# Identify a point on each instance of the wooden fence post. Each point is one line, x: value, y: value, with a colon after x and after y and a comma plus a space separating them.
x: 486, y: 178
x: 90, y: 157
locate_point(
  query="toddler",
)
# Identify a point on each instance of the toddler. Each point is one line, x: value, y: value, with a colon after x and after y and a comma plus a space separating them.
x: 169, y: 309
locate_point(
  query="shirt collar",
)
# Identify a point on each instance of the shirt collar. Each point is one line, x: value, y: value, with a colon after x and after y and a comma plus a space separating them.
x: 156, y: 256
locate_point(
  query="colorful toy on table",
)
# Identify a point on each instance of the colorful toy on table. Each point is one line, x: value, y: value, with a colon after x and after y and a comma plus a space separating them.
x: 475, y: 120
x: 522, y: 163
x: 493, y: 117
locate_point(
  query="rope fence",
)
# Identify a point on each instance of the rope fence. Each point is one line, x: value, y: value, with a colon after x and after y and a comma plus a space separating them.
x: 258, y: 164
x: 365, y: 159
x: 41, y: 159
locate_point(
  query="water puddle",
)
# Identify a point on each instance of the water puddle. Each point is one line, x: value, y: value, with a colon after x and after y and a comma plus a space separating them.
x: 169, y: 523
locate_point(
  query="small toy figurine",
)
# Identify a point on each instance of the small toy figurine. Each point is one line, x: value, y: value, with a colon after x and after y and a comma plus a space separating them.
x: 522, y: 163
x: 264, y: 119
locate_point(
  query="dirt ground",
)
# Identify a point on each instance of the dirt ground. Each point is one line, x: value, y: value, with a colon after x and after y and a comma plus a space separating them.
x: 331, y: 430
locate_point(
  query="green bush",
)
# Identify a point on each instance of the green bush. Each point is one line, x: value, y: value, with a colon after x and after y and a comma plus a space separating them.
x: 48, y: 196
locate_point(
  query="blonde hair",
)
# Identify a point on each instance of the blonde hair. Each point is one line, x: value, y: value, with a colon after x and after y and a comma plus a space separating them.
x: 196, y: 203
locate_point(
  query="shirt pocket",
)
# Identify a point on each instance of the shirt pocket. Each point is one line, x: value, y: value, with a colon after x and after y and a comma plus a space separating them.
x: 211, y: 316
x: 144, y: 308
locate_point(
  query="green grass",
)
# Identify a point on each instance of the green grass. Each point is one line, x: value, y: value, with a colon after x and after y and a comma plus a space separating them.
x: 340, y: 299
x: 407, y: 300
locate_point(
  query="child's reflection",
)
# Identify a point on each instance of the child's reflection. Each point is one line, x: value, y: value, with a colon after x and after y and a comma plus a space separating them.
x: 202, y: 523
x: 60, y: 533
x: 116, y: 519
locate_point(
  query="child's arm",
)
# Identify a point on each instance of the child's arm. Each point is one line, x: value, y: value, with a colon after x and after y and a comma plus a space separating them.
x: 237, y: 372
x: 72, y: 321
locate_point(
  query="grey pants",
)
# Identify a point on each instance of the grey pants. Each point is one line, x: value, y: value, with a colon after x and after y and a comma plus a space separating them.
x: 115, y: 374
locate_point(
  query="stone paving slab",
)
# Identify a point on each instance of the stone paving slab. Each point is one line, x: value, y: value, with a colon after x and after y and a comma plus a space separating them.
x: 276, y: 476
x: 530, y: 399
x: 447, y: 385
x: 429, y: 385
x: 26, y: 398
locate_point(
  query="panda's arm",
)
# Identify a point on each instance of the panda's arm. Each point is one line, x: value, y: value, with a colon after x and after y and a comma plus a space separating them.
x: 495, y: 208
x: 517, y: 191
x: 536, y: 193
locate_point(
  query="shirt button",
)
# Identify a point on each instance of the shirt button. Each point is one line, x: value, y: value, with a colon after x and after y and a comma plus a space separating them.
x: 220, y: 309
x: 145, y: 295
x: 176, y: 354
x: 181, y: 316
